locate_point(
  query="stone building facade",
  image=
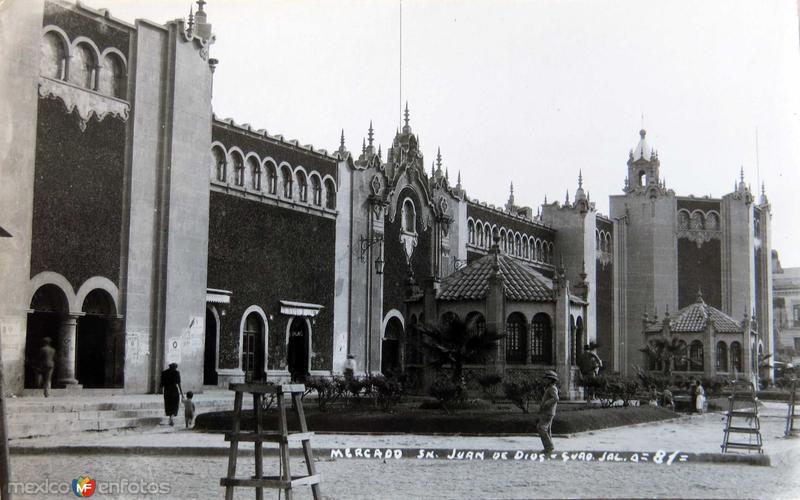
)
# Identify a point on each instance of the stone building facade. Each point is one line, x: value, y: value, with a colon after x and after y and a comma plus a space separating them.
x: 147, y: 230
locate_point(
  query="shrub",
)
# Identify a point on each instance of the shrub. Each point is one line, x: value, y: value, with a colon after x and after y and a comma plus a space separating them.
x: 489, y: 384
x: 522, y: 392
x: 446, y: 392
x: 613, y: 388
x: 713, y: 385
x: 648, y: 379
x: 327, y: 389
x: 388, y: 392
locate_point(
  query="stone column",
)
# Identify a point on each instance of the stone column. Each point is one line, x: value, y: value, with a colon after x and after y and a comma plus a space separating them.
x: 65, y: 352
x: 710, y: 352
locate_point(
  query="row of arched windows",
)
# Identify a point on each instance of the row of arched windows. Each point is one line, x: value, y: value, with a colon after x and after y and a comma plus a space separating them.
x: 266, y: 177
x: 603, y: 241
x: 512, y: 243
x: 726, y: 358
x: 529, y: 343
x: 82, y: 63
x: 698, y: 220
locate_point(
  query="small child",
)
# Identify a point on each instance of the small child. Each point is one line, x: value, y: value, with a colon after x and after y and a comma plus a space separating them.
x: 188, y: 409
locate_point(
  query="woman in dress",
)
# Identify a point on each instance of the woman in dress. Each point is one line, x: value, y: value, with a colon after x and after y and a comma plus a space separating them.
x: 171, y: 385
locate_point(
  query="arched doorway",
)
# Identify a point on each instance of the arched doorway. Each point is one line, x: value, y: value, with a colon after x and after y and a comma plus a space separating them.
x: 253, y: 347
x: 49, y: 307
x: 210, y: 349
x: 100, y: 347
x: 298, y: 347
x: 390, y: 346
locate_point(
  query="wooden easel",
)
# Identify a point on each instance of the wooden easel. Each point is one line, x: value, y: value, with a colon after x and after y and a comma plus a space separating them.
x: 285, y: 481
x: 751, y: 426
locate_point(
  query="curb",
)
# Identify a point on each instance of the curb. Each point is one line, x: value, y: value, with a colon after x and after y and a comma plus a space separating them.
x: 659, y: 457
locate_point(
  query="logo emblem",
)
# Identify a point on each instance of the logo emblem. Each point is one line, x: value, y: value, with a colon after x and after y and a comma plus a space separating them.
x: 84, y: 486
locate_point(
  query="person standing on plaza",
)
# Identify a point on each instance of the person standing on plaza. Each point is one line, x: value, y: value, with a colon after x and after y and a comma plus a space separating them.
x: 188, y: 409
x: 700, y: 397
x: 547, y: 410
x: 171, y: 385
x: 45, y: 365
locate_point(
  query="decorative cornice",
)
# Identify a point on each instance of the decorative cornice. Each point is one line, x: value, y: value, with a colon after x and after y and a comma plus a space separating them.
x: 85, y: 101
x: 699, y: 236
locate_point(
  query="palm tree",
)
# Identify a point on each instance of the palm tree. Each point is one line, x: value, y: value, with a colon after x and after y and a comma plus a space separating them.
x: 455, y: 343
x: 664, y: 351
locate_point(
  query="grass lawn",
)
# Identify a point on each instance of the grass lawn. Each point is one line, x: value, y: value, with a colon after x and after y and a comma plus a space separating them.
x: 569, y: 419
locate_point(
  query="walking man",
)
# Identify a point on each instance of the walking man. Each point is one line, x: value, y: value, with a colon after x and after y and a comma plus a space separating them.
x: 45, y: 365
x: 547, y: 410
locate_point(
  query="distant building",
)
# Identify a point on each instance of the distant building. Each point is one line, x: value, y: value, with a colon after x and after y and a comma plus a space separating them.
x: 148, y: 230
x: 786, y: 290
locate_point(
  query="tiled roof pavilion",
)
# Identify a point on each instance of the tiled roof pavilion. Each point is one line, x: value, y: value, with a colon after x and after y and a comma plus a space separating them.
x: 520, y: 283
x: 695, y: 318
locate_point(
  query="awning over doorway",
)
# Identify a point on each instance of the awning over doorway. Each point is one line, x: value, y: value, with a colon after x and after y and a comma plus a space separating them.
x: 216, y: 296
x: 291, y: 308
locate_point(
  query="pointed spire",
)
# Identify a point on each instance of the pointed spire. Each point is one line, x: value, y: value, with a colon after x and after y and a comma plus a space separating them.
x: 580, y: 178
x: 458, y: 182
x: 763, y: 189
x: 406, y: 127
x: 433, y: 169
x: 363, y: 146
x: 379, y: 152
x: 741, y: 174
x: 342, y: 147
x: 566, y: 200
x: 446, y: 174
x: 545, y: 199
x: 190, y: 29
x: 370, y: 133
x: 439, y: 159
x: 512, y: 188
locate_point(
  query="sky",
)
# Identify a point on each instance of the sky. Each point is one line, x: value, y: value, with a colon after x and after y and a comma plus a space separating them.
x: 526, y: 91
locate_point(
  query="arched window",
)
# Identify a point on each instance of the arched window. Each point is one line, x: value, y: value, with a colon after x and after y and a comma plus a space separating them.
x: 541, y: 340
x: 503, y: 241
x: 516, y: 333
x: 480, y: 235
x: 272, y: 178
x: 316, y: 188
x: 572, y: 357
x: 253, y: 346
x: 409, y: 216
x: 550, y: 253
x: 722, y: 356
x: 682, y: 360
x: 238, y: 169
x: 609, y: 244
x: 537, y: 250
x: 597, y: 240
x: 683, y: 220
x: 477, y: 322
x: 302, y: 186
x: 697, y: 221
x: 286, y: 181
x: 736, y: 356
x: 580, y: 336
x: 527, y: 248
x: 330, y: 194
x: 82, y: 66
x: 712, y: 221
x: 696, y: 356
x: 111, y: 80
x: 255, y: 173
x: 219, y: 167
x: 487, y: 236
x: 54, y: 56
x: 642, y: 175
x: 471, y: 232
x: 517, y: 246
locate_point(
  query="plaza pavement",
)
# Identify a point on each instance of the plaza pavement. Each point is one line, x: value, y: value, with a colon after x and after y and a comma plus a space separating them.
x: 194, y: 472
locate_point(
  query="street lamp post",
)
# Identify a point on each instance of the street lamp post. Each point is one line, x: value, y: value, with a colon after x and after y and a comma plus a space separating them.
x: 5, y: 462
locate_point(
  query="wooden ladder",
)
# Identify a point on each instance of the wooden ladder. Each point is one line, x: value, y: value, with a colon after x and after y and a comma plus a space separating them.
x: 790, y: 428
x: 751, y: 426
x: 285, y: 481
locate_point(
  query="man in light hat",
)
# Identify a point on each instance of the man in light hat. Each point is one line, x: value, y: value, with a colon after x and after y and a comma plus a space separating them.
x: 547, y: 410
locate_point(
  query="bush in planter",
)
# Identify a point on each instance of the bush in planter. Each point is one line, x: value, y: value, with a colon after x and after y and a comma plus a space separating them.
x: 522, y: 392
x: 613, y: 388
x: 446, y: 392
x: 489, y: 384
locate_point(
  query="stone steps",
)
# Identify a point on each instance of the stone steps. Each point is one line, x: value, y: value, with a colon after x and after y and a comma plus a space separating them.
x: 39, y: 416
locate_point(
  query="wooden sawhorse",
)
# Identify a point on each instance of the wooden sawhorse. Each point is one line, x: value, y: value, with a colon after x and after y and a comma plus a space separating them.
x: 258, y: 436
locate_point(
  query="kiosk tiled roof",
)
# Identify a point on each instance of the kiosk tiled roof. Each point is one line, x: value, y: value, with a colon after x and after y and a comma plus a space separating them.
x: 695, y: 318
x: 519, y: 281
